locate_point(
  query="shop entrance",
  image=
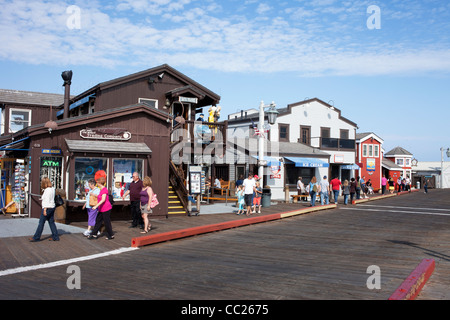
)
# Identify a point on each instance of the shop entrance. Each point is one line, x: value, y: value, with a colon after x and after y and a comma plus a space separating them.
x: 334, y: 171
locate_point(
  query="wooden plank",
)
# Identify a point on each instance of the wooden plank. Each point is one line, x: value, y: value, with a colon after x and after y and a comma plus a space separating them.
x: 411, y: 287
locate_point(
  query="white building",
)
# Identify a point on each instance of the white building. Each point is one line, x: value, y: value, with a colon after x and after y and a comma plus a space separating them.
x: 432, y: 171
x: 310, y: 138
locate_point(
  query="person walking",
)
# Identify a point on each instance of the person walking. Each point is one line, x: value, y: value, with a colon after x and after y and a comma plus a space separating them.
x: 134, y: 190
x: 241, y: 201
x: 47, y: 212
x: 324, y: 191
x: 425, y: 186
x: 383, y: 184
x: 314, y: 189
x: 335, y: 185
x: 104, y: 208
x: 249, y: 185
x: 91, y: 200
x: 257, y: 198
x: 352, y: 189
x: 146, y: 196
x: 391, y: 183
x: 346, y: 191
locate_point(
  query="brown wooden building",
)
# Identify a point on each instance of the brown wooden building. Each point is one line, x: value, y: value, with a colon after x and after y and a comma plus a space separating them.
x: 120, y: 126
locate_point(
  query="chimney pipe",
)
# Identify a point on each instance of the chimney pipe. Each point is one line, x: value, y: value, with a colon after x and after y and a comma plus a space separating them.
x: 67, y: 77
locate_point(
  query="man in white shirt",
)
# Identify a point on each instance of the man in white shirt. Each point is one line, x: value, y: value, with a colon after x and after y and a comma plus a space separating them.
x: 249, y: 187
x: 324, y: 191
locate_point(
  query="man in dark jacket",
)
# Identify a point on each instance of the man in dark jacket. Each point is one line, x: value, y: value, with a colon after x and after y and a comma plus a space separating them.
x: 134, y: 188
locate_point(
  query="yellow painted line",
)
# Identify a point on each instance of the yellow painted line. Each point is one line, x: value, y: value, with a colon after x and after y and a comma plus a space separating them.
x: 307, y: 210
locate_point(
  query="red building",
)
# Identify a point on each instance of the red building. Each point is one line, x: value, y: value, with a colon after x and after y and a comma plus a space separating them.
x: 369, y: 157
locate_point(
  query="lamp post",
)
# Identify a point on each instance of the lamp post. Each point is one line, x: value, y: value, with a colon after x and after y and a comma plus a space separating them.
x: 272, y: 114
x: 442, y: 164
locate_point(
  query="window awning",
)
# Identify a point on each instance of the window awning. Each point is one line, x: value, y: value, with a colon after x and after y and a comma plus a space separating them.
x: 270, y: 161
x: 308, y: 162
x: 108, y: 147
x: 77, y: 104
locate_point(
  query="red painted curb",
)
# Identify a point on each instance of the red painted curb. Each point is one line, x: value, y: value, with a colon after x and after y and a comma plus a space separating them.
x: 412, y: 286
x: 183, y: 233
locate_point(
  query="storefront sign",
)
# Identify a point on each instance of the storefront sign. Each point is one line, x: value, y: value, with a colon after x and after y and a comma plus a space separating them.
x: 370, y: 165
x: 339, y: 158
x: 51, y: 162
x: 106, y: 134
x: 51, y: 151
x: 275, y: 176
x: 188, y: 100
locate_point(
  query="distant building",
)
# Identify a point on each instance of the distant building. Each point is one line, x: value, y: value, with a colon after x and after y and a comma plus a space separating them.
x: 431, y: 171
x: 370, y: 157
x: 310, y: 138
x: 401, y: 158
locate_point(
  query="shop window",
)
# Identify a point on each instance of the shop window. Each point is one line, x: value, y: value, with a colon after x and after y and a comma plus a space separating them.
x: 400, y: 162
x: 19, y: 119
x: 376, y: 151
x: 51, y: 167
x: 85, y: 169
x: 150, y: 102
x: 292, y: 174
x: 122, y: 172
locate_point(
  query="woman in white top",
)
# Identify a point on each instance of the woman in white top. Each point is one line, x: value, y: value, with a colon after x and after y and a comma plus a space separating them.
x: 48, y: 211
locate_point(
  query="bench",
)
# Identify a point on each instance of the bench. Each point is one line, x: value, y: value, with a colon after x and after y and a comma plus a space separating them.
x: 225, y: 186
x: 295, y: 197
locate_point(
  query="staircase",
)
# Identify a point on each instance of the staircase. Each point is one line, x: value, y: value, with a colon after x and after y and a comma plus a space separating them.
x: 175, y: 204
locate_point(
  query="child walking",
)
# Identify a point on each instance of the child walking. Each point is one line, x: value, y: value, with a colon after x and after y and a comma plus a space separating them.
x: 91, y: 200
x: 257, y: 198
x: 241, y: 201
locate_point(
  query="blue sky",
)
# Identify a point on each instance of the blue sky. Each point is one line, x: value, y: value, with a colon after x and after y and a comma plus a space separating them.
x: 392, y: 80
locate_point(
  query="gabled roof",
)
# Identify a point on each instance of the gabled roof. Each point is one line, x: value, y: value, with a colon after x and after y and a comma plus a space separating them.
x: 398, y: 151
x: 154, y: 73
x: 251, y: 114
x: 30, y: 98
x: 293, y: 105
x: 361, y: 137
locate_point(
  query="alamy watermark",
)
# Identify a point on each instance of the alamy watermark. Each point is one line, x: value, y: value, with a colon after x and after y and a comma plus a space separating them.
x: 374, y: 281
x: 74, y: 280
x: 74, y: 19
x: 374, y: 21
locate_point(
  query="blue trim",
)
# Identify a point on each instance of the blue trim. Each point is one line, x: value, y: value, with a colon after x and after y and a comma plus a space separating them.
x: 308, y: 162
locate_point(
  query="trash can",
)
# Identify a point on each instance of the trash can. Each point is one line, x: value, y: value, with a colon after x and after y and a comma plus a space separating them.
x: 418, y: 185
x: 266, y: 197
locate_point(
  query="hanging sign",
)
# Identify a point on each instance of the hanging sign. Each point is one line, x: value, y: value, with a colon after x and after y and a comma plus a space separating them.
x: 371, y: 165
x: 106, y: 134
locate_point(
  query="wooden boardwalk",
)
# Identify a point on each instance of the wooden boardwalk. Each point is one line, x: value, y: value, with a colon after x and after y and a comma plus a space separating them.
x: 322, y: 255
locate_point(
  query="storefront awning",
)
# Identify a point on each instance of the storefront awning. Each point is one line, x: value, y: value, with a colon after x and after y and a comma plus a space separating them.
x: 76, y: 104
x: 308, y: 162
x: 107, y: 147
x: 270, y: 161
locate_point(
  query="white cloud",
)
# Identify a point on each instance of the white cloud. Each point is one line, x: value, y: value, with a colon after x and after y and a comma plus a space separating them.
x: 315, y: 39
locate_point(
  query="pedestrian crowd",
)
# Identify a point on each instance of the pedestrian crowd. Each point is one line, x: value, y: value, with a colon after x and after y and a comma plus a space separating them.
x: 356, y: 188
x: 99, y: 204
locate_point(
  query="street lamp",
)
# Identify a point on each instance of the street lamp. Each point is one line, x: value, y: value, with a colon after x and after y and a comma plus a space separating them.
x: 272, y: 114
x: 442, y: 164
